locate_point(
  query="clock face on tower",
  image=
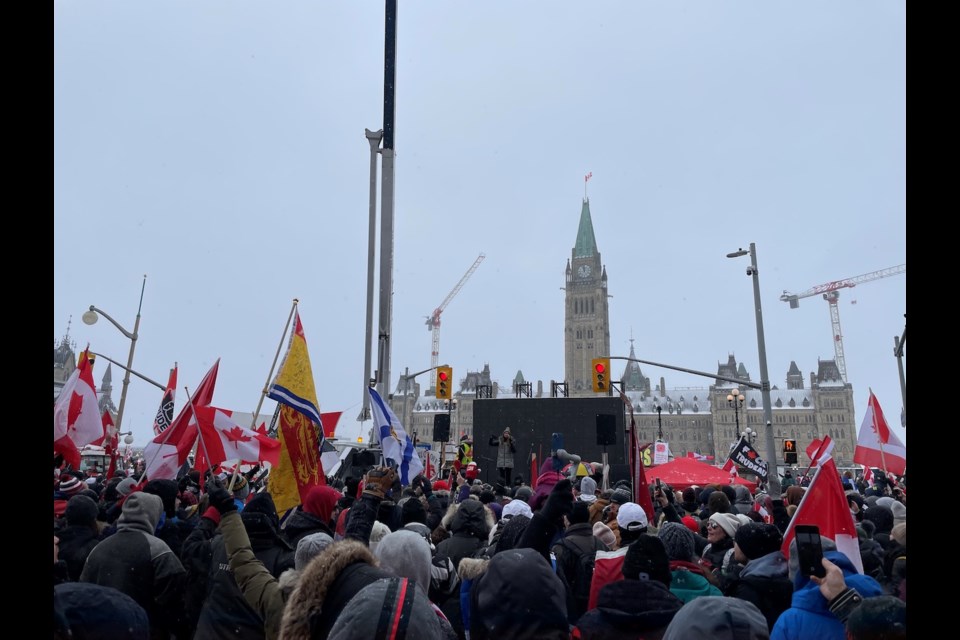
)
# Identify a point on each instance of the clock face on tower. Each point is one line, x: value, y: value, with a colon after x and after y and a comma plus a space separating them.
x: 584, y: 271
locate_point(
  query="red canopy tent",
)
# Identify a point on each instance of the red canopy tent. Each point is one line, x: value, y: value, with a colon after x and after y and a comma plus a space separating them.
x: 681, y: 473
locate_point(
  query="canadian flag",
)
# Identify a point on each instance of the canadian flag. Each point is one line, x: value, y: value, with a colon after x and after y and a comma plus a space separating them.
x: 168, y: 451
x: 223, y: 438
x: 76, y: 415
x: 868, y: 476
x: 824, y: 504
x: 817, y: 447
x: 877, y: 446
x: 698, y: 456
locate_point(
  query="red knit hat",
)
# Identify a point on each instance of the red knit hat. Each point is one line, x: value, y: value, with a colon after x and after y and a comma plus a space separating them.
x: 441, y: 485
x: 690, y: 523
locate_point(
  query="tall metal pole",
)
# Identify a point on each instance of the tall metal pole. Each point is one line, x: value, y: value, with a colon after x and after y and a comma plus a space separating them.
x: 386, y: 198
x: 898, y: 344
x: 133, y: 346
x: 406, y: 389
x: 773, y: 478
x: 373, y: 137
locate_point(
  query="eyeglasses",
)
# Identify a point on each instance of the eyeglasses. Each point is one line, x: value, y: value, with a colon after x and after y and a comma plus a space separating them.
x: 712, y: 525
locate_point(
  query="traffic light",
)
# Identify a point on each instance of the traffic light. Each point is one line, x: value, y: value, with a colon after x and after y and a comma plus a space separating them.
x: 601, y: 375
x: 790, y: 451
x: 444, y: 382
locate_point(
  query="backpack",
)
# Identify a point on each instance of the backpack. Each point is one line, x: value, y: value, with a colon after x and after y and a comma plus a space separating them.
x: 583, y: 565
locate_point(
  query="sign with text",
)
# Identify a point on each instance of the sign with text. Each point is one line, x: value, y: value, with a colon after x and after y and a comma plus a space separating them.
x: 661, y: 452
x: 747, y: 457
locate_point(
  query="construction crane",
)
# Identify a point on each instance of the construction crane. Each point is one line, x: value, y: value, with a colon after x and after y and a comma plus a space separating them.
x: 433, y: 320
x: 831, y: 294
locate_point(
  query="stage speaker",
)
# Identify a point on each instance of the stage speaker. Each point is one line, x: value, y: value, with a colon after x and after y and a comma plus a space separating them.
x: 606, y: 429
x: 441, y: 427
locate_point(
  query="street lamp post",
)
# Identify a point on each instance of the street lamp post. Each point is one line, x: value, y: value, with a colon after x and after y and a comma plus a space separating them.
x: 773, y: 478
x: 659, y: 424
x: 749, y: 435
x: 91, y: 317
x: 735, y: 400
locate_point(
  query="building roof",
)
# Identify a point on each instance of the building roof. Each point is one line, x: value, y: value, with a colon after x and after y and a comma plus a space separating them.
x: 586, y: 245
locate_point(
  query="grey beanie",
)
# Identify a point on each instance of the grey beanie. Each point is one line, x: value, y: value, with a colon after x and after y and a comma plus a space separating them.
x: 309, y: 547
x: 588, y: 489
x: 363, y: 617
x: 126, y: 486
x: 406, y: 554
x: 678, y: 540
x: 718, y: 617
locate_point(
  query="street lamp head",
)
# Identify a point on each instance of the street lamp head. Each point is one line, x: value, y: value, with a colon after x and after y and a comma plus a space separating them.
x: 729, y: 397
x: 90, y: 316
x: 738, y: 253
x: 128, y: 439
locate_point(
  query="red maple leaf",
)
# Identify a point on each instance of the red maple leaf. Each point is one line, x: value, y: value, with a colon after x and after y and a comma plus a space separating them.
x: 235, y: 435
x: 752, y: 455
x: 74, y: 410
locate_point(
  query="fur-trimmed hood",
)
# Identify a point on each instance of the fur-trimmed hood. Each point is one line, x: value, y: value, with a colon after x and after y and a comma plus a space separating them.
x: 316, y: 579
x: 470, y: 516
x: 472, y: 568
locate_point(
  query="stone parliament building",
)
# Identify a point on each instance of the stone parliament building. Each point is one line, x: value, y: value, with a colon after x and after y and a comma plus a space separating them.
x: 692, y: 419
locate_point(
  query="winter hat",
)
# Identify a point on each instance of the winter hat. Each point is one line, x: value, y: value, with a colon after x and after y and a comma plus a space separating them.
x: 309, y: 547
x: 898, y: 533
x: 261, y: 508
x: 620, y: 496
x: 472, y: 471
x: 580, y: 513
x: 512, y: 532
x: 441, y: 485
x: 899, y: 513
x: 241, y: 488
x: 718, y: 502
x: 413, y: 511
x: 728, y: 522
x: 730, y: 492
x: 126, y: 486
x: 678, y: 540
x: 604, y: 534
x: 519, y: 596
x: 879, y: 617
x: 70, y: 485
x: 880, y: 516
x: 523, y: 494
x: 378, y: 533
x: 756, y: 539
x: 320, y: 502
x: 188, y: 498
x: 868, y: 528
x: 517, y: 508
x: 388, y: 608
x: 647, y: 559
x: 631, y: 517
x: 704, y: 496
x: 167, y: 490
x: 81, y: 511
x: 718, y: 617
x: 689, y: 499
x: 588, y: 489
x: 93, y: 612
x: 691, y: 523
x: 423, y: 531
x: 406, y: 554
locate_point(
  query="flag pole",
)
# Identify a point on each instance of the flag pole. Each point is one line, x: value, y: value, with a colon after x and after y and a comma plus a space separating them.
x: 206, y: 455
x: 883, y: 460
x: 266, y: 387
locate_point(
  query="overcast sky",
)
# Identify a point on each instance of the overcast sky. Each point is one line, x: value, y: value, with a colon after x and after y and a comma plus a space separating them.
x: 218, y: 147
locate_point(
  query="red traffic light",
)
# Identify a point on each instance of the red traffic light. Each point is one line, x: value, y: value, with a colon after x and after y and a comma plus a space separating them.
x: 443, y: 375
x: 599, y: 367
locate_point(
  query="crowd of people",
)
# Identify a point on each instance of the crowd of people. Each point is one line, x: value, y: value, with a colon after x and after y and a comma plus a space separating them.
x: 210, y: 558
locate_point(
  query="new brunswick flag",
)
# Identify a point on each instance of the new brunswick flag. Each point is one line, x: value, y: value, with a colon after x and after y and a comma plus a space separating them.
x: 299, y: 427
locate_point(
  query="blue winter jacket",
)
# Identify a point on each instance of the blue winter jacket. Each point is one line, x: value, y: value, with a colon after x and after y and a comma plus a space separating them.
x: 809, y: 615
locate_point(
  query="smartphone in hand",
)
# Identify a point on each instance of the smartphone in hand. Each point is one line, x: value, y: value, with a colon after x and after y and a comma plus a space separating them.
x: 809, y: 550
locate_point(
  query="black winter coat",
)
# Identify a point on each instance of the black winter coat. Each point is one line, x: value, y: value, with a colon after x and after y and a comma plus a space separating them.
x: 630, y: 609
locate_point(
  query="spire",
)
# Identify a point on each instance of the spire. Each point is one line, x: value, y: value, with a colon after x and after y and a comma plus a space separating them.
x: 586, y: 242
